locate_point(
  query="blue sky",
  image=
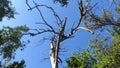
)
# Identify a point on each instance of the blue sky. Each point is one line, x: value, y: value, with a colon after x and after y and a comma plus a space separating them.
x: 36, y: 51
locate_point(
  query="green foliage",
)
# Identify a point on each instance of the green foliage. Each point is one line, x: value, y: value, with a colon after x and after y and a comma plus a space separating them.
x: 6, y: 10
x: 10, y: 40
x: 62, y: 2
x: 107, y: 18
x: 81, y: 60
x: 16, y: 64
x: 98, y: 55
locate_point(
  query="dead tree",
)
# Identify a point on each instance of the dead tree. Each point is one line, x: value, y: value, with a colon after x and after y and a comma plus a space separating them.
x: 52, y: 52
x: 58, y: 34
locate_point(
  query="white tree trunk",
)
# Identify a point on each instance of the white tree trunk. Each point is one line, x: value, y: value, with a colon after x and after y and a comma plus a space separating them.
x: 52, y: 55
x: 52, y: 61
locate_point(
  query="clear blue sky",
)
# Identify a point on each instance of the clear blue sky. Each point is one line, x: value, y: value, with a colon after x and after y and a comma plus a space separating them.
x: 35, y: 52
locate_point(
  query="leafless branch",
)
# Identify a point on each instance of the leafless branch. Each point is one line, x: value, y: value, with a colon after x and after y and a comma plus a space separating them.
x: 45, y: 22
x: 42, y: 5
x: 42, y: 16
x: 58, y: 36
x: 41, y: 32
x: 28, y: 4
x: 84, y: 10
x: 74, y: 29
x: 44, y: 59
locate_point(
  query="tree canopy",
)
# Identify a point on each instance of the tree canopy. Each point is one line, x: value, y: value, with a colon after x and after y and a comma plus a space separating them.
x: 10, y: 41
x: 99, y: 54
x: 6, y: 9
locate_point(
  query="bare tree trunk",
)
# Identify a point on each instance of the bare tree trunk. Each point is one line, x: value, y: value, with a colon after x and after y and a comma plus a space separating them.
x: 52, y: 59
x: 54, y: 49
x: 52, y: 54
x: 56, y: 54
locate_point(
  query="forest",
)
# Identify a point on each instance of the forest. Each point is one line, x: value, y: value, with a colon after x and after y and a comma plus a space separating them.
x: 60, y: 34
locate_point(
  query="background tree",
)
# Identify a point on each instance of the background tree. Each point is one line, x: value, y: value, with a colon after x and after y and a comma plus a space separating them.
x: 10, y: 42
x: 10, y: 37
x: 6, y: 9
x: 16, y: 64
x: 107, y: 19
x: 99, y: 54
